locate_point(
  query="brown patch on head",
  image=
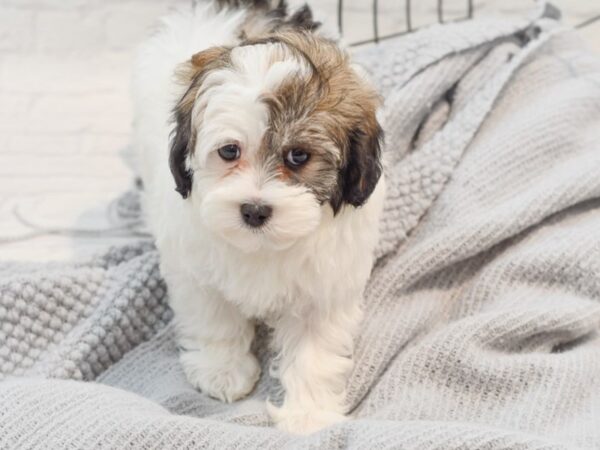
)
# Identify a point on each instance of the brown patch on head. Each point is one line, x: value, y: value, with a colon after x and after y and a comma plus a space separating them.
x: 331, y: 114
x: 183, y: 139
x: 201, y: 59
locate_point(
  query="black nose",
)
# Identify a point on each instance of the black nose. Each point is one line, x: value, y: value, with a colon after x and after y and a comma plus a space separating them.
x: 255, y: 215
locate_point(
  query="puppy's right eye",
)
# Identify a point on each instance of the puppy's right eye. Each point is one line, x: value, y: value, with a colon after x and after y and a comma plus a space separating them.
x: 229, y: 152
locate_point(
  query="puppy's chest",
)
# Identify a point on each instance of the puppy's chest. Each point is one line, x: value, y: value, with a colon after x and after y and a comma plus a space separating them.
x: 265, y: 287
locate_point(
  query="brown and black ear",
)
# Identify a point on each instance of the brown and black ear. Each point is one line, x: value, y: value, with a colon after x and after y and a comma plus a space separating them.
x: 362, y: 169
x: 183, y: 136
x: 182, y: 144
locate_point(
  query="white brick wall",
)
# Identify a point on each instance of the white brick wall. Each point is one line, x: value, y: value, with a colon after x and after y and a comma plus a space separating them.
x: 64, y: 72
x: 16, y: 27
x: 66, y: 27
x: 65, y: 114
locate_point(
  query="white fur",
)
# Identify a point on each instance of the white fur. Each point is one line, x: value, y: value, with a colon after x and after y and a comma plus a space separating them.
x: 304, y: 273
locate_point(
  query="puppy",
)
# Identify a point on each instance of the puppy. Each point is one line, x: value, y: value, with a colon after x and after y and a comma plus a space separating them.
x: 260, y: 154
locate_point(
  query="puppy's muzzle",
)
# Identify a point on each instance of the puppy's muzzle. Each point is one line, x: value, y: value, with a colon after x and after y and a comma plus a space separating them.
x: 255, y: 215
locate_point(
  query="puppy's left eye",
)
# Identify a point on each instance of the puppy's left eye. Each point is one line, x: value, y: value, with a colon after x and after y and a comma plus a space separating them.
x: 229, y: 152
x: 296, y: 158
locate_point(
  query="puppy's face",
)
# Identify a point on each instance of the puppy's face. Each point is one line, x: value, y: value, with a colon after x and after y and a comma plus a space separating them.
x: 271, y: 134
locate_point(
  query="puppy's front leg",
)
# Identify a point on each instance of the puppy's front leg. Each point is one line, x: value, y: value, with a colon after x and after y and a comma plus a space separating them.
x: 315, y: 361
x: 215, y: 340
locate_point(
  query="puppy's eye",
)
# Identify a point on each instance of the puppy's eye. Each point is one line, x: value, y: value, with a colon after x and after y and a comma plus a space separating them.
x: 296, y: 158
x: 229, y: 152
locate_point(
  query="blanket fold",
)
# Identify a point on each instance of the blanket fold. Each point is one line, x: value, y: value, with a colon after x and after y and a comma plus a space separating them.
x: 482, y: 315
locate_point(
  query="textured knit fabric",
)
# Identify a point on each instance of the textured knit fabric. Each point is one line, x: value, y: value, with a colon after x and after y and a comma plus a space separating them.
x: 482, y: 313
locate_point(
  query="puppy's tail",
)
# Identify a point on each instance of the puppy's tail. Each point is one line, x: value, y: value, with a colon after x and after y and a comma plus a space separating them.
x: 276, y: 10
x: 272, y: 7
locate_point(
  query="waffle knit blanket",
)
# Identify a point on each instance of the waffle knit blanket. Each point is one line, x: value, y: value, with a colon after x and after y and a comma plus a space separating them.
x: 482, y: 325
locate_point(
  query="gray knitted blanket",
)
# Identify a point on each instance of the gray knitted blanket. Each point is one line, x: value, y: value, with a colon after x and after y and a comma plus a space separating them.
x: 482, y: 314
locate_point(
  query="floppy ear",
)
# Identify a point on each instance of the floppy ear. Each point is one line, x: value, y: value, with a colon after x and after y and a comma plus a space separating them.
x: 182, y: 144
x: 362, y: 168
x: 183, y: 136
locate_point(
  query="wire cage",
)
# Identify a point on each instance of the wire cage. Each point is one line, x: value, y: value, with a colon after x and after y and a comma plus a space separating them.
x: 439, y: 9
x: 409, y: 21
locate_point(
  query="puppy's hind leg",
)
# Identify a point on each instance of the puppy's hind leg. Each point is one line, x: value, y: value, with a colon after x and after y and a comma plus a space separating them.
x: 215, y: 340
x: 315, y: 362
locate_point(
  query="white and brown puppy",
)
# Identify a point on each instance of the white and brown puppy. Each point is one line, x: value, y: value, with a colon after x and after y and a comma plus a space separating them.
x: 260, y: 152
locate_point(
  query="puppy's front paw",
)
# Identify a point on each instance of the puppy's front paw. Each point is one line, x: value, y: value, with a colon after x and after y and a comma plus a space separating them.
x: 303, y: 421
x: 227, y: 379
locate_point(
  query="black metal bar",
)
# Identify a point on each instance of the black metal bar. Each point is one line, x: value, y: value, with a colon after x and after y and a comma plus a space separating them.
x: 587, y: 22
x: 376, y: 20
x: 390, y: 36
x: 409, y: 25
x: 340, y: 13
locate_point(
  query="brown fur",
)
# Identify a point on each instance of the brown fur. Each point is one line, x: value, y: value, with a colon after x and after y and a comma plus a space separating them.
x: 332, y: 115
